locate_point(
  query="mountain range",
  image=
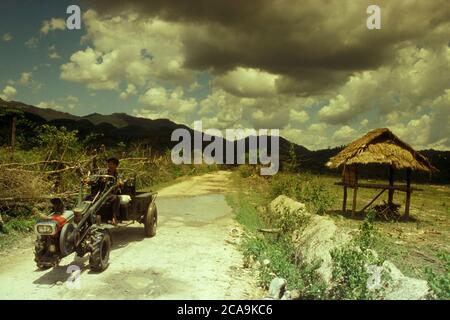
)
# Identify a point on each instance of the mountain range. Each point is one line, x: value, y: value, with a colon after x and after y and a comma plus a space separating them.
x: 116, y: 128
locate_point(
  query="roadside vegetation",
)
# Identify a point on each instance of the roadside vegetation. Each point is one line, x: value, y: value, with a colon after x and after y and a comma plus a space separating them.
x: 52, y: 163
x: 419, y: 247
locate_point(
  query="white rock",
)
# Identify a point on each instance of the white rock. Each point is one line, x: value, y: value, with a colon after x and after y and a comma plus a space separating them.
x: 277, y: 288
x: 401, y: 287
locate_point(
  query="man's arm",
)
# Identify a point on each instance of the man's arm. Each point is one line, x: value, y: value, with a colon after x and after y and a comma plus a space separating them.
x: 40, y: 215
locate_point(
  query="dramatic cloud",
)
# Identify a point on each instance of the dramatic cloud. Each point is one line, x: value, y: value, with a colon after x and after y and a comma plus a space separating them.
x: 309, y: 68
x: 247, y: 82
x: 127, y: 48
x: 302, y: 41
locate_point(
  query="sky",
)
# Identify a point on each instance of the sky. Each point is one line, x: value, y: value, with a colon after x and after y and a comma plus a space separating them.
x: 310, y: 68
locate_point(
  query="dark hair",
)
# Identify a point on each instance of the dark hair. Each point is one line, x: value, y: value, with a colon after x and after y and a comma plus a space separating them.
x: 113, y: 160
x: 56, y: 201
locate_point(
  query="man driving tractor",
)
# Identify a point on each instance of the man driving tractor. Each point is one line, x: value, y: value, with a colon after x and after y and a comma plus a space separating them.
x: 113, y: 201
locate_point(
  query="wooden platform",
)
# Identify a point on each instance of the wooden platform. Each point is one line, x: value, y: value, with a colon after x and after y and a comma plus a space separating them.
x: 403, y: 188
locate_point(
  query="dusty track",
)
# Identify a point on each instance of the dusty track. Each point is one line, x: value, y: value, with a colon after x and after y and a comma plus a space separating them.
x: 189, y: 258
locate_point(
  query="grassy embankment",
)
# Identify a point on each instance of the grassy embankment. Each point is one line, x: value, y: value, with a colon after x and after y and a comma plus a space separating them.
x: 419, y: 247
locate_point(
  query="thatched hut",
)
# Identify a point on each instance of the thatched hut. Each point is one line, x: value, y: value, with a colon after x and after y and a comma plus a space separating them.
x: 379, y: 146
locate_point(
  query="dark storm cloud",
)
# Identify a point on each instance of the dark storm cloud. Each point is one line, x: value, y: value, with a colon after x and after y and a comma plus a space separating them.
x: 313, y: 45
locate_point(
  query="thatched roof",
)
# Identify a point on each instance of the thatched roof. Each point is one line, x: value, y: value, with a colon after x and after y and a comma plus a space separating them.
x: 381, y: 146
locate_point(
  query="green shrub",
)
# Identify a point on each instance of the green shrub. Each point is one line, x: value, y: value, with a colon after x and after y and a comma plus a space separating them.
x: 246, y: 170
x: 18, y: 225
x: 350, y: 276
x: 303, y: 188
x: 440, y: 283
x: 280, y: 255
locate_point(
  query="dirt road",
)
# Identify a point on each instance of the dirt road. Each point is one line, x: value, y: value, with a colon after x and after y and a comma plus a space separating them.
x: 191, y: 257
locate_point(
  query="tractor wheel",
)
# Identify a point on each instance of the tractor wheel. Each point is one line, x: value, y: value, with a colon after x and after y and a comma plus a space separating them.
x: 66, y: 239
x: 99, y: 258
x: 150, y: 221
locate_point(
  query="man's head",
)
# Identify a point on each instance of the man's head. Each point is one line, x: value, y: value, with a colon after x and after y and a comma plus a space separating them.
x: 58, y: 205
x: 113, y: 163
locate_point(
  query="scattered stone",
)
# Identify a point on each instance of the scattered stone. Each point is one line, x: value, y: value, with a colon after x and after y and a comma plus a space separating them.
x: 401, y: 287
x: 257, y: 265
x: 286, y: 296
x: 59, y: 283
x: 266, y: 262
x: 295, y: 295
x: 277, y: 288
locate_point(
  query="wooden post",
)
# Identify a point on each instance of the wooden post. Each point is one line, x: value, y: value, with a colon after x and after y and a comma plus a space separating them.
x: 13, y: 136
x: 408, y: 191
x: 355, y: 190
x: 344, y: 203
x: 391, y: 184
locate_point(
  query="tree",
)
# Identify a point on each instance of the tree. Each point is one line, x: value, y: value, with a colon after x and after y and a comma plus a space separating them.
x: 12, y: 114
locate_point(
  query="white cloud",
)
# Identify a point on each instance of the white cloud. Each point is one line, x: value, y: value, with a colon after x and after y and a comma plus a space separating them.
x: 173, y: 101
x: 138, y: 51
x: 298, y: 116
x: 52, y: 53
x: 345, y: 135
x: 97, y: 70
x: 7, y: 37
x: 129, y: 91
x: 71, y: 102
x: 248, y: 82
x: 32, y: 42
x: 8, y: 93
x: 52, y: 25
x: 25, y: 78
x: 336, y: 111
x: 49, y: 104
x: 364, y: 123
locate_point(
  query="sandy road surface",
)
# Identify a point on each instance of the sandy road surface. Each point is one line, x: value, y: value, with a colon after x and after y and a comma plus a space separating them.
x: 191, y: 256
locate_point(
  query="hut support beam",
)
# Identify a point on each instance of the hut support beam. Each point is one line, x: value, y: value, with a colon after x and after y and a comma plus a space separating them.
x: 373, y: 200
x: 355, y: 191
x: 391, y: 183
x: 408, y: 191
x: 344, y: 202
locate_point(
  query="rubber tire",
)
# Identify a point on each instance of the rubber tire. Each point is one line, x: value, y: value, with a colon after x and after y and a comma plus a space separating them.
x: 150, y: 221
x: 64, y: 247
x: 99, y: 259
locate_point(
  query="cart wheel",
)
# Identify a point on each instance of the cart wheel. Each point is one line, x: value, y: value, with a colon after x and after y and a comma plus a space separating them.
x: 150, y: 221
x: 99, y: 258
